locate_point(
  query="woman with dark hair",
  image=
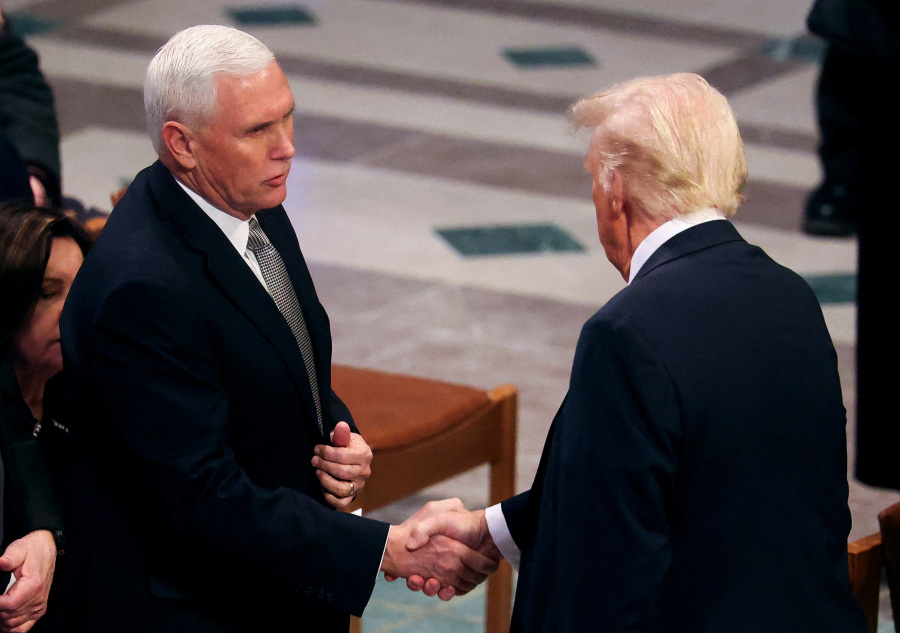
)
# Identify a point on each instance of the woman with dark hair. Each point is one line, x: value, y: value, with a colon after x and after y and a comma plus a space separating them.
x: 41, y: 250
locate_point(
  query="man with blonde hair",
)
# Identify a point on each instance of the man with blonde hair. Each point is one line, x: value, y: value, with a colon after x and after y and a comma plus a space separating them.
x: 694, y: 478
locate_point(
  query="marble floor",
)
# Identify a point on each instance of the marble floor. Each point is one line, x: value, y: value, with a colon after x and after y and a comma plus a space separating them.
x: 418, y: 119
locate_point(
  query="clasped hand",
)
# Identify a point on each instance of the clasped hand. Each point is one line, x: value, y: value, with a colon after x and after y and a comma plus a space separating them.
x: 343, y: 467
x: 443, y: 549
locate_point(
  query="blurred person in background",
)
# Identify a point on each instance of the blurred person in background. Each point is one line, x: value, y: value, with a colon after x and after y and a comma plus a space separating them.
x: 41, y: 250
x: 858, y: 135
x: 28, y: 115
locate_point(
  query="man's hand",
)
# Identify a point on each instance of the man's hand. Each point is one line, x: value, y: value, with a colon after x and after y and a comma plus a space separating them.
x: 452, y: 567
x: 347, y: 461
x: 32, y: 559
x: 429, y: 509
x: 459, y: 524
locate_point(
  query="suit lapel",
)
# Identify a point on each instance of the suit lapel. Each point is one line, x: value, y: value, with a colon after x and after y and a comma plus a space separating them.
x: 231, y: 274
x: 281, y: 233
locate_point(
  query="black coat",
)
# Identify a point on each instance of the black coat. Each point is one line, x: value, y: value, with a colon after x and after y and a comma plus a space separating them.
x: 27, y: 110
x: 29, y: 500
x: 189, y: 394
x: 695, y: 477
x: 870, y: 28
x: 32, y: 498
x: 864, y: 49
x: 14, y: 183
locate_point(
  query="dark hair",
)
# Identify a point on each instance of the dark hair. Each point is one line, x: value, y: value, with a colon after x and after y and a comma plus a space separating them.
x: 26, y: 235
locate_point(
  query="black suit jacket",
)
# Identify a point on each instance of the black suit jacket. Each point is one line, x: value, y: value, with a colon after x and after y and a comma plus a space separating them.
x: 189, y: 395
x: 28, y: 498
x: 695, y: 476
x: 35, y: 484
x: 27, y: 111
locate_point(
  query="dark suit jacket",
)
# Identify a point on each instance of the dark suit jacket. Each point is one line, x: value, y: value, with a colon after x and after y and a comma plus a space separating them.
x: 869, y: 28
x: 28, y: 498
x: 189, y: 394
x: 695, y: 477
x: 34, y: 492
x: 27, y: 110
x: 14, y: 184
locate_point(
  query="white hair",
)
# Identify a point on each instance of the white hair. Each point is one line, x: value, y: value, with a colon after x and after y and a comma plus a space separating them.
x: 180, y: 83
x: 674, y: 141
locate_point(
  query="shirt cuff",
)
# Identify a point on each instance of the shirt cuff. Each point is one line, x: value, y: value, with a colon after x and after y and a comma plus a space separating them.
x: 496, y: 523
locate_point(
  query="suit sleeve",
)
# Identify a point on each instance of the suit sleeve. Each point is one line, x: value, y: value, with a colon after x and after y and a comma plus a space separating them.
x: 341, y: 413
x: 603, y: 509
x: 154, y: 364
x: 30, y: 501
x: 40, y: 506
x: 518, y: 520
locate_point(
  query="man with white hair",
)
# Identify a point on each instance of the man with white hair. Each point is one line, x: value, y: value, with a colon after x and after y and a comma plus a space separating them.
x: 695, y: 477
x: 198, y: 364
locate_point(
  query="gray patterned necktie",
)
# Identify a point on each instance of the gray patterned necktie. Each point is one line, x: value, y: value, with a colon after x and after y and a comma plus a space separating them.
x: 281, y: 290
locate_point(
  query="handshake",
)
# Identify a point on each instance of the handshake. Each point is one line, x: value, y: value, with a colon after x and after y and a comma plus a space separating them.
x: 443, y: 549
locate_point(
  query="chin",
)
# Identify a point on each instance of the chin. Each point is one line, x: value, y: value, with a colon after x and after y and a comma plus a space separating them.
x: 51, y: 366
x: 274, y: 202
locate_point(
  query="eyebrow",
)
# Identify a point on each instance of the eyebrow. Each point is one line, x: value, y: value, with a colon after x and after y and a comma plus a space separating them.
x: 264, y: 124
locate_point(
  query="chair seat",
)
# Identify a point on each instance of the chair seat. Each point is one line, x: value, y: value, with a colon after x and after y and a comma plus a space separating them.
x: 423, y: 432
x: 395, y: 410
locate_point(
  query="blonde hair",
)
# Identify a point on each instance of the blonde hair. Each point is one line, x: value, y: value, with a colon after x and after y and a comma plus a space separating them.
x: 673, y: 140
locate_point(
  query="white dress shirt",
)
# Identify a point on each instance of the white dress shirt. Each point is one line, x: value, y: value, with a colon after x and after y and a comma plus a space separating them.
x: 235, y: 229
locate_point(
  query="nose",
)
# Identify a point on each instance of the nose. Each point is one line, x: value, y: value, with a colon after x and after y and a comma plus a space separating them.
x: 284, y: 142
x: 58, y: 307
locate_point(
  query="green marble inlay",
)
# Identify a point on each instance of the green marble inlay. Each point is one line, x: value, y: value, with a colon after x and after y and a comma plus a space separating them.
x: 833, y: 288
x: 395, y: 609
x: 802, y: 48
x: 549, y: 57
x: 26, y: 25
x: 509, y: 240
x: 280, y: 15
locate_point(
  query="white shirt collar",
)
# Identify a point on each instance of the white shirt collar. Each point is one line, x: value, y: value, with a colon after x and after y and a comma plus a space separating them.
x: 236, y: 230
x: 664, y: 232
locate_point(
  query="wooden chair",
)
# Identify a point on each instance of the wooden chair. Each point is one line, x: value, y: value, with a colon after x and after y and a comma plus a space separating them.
x: 865, y: 562
x: 889, y: 524
x: 868, y: 556
x: 425, y: 431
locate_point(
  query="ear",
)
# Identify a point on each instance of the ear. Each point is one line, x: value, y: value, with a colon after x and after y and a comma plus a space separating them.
x: 616, y: 193
x: 178, y: 138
